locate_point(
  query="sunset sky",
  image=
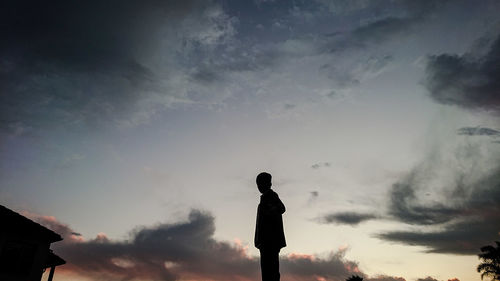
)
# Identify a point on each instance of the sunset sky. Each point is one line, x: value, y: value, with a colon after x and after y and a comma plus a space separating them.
x: 135, y: 129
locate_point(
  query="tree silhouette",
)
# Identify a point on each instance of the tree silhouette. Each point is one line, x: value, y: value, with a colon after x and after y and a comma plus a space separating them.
x: 490, y: 265
x: 355, y: 278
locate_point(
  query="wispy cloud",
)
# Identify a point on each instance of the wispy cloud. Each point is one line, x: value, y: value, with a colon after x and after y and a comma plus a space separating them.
x: 321, y: 165
x: 349, y: 218
x: 478, y: 131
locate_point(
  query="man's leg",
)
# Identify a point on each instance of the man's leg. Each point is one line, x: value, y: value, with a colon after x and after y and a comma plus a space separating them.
x: 269, y: 264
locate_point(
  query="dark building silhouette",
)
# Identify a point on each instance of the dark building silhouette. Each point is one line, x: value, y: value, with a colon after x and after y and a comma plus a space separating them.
x: 25, y: 248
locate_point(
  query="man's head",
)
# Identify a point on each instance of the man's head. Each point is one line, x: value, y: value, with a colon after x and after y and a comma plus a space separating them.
x: 264, y: 182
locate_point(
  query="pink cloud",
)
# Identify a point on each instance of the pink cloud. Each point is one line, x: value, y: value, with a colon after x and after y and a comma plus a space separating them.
x: 296, y: 256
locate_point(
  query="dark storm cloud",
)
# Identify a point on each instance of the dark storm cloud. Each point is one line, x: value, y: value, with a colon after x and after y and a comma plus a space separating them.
x: 464, y: 238
x: 468, y: 217
x: 74, y: 62
x: 465, y: 80
x: 405, y: 206
x: 181, y: 250
x: 478, y: 131
x: 161, y: 252
x: 349, y: 218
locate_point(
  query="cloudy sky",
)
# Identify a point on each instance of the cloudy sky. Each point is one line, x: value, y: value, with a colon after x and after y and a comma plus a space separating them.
x: 135, y: 129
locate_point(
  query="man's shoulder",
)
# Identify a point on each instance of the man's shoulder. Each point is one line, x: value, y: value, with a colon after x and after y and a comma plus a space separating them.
x: 274, y: 193
x: 270, y: 194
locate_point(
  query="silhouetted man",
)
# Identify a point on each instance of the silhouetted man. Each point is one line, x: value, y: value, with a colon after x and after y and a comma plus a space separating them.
x: 269, y: 234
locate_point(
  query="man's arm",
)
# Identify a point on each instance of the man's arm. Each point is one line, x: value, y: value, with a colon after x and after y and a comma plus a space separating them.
x: 273, y: 205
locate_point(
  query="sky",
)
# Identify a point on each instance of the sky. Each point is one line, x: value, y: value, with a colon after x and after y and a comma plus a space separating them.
x: 135, y: 129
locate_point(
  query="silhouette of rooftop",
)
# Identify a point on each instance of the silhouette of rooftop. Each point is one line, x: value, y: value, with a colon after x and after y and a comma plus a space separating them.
x: 19, y: 225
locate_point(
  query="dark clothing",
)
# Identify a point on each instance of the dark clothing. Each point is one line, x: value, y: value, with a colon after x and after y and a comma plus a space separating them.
x: 269, y: 229
x: 270, y: 264
x: 269, y: 234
